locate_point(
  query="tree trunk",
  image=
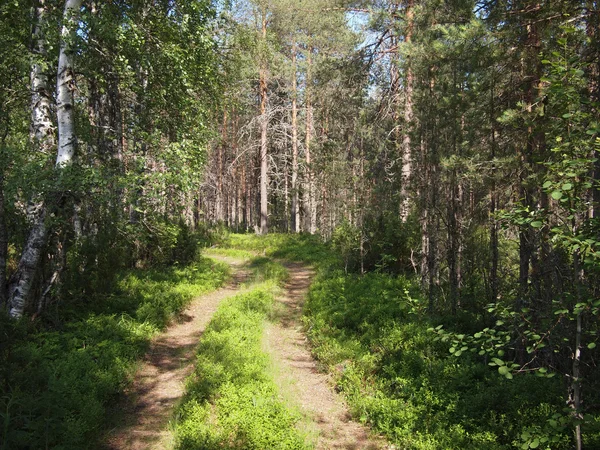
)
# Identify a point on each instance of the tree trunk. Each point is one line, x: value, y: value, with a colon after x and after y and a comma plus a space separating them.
x: 42, y: 137
x: 3, y: 245
x: 309, y: 191
x: 23, y: 279
x: 494, y: 256
x: 65, y: 86
x: 219, y: 216
x: 295, y: 209
x: 264, y: 175
x: 592, y: 25
x: 408, y: 119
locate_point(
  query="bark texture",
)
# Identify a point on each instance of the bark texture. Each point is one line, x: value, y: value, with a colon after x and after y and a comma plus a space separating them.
x: 264, y: 123
x: 65, y: 86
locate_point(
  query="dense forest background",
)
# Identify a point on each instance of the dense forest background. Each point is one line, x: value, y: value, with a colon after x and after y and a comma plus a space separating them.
x: 453, y: 143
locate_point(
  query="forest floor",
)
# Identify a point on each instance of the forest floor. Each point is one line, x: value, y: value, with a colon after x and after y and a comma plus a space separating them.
x: 327, y: 418
x: 160, y: 381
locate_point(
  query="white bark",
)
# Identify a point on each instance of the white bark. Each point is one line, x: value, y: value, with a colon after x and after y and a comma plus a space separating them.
x: 42, y: 135
x: 65, y: 85
x: 42, y: 138
x: 42, y: 129
x: 22, y: 282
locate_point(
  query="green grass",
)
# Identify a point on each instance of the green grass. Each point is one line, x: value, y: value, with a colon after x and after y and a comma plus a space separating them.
x: 58, y: 381
x: 371, y: 334
x: 228, y: 252
x: 304, y: 248
x: 232, y: 401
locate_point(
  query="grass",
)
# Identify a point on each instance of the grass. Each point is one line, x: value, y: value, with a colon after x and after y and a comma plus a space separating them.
x: 305, y: 248
x: 229, y: 252
x: 371, y: 333
x: 232, y: 401
x: 58, y: 381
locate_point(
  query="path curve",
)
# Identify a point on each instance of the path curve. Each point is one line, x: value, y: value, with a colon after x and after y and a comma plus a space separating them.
x: 308, y: 388
x: 160, y: 381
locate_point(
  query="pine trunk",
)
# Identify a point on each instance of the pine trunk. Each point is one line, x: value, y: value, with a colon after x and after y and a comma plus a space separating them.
x: 264, y: 123
x: 295, y: 207
x: 309, y: 191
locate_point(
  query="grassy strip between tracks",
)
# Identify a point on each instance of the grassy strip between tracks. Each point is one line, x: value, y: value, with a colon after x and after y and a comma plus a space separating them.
x: 232, y: 401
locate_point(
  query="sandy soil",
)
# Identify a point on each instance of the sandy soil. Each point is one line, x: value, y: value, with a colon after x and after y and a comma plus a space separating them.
x: 302, y: 383
x: 160, y: 381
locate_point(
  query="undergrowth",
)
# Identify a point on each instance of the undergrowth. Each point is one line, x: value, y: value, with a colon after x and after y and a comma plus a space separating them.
x: 371, y: 333
x: 232, y: 401
x: 59, y: 377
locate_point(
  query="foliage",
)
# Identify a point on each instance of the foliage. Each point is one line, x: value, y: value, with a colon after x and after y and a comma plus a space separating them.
x: 371, y: 333
x: 79, y: 362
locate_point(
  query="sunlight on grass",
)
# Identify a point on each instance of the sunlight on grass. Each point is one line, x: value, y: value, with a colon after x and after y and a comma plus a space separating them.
x: 232, y: 401
x: 76, y: 370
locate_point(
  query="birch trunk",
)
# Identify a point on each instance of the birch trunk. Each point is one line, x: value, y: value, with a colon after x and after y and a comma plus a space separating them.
x: 3, y: 246
x: 65, y: 85
x: 43, y: 138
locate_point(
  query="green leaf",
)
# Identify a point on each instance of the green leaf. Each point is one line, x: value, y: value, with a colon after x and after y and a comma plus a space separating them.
x: 556, y: 195
x: 535, y: 443
x: 591, y: 345
x: 503, y: 370
x: 547, y: 184
x: 567, y: 187
x: 536, y: 224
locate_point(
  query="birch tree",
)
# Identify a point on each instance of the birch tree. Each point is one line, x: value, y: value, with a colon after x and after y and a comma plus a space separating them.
x: 44, y: 141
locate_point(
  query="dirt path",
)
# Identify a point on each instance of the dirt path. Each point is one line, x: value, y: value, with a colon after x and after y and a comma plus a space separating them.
x: 302, y: 383
x: 159, y: 382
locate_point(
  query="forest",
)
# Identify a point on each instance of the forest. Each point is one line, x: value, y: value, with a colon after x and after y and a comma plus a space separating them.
x: 432, y: 167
